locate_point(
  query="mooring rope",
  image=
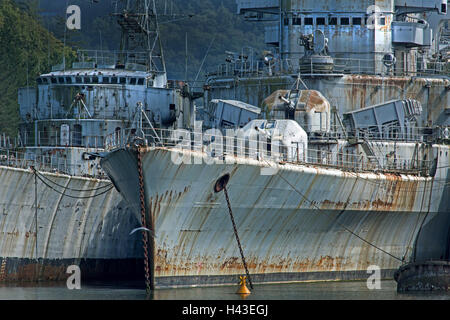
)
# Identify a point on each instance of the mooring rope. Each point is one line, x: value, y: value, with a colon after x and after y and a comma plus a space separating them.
x: 72, y: 189
x: 67, y: 195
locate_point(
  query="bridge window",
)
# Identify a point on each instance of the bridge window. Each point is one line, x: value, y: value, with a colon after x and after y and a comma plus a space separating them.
x: 286, y: 21
x: 87, y: 80
x: 106, y: 79
x: 382, y: 21
x: 61, y: 80
x: 141, y: 81
x: 309, y: 21
x: 114, y: 80
x: 297, y: 21
x: 356, y: 21
x: 68, y: 80
x: 53, y: 80
x: 320, y: 21
x: 79, y: 79
x: 345, y: 21
x: 39, y: 81
x: 133, y: 81
x: 332, y: 21
x: 123, y: 80
x: 95, y: 79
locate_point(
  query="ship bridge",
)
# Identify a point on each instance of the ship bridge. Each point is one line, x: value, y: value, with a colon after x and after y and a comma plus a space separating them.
x: 362, y: 33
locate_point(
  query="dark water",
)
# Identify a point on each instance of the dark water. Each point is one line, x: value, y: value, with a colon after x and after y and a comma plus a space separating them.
x: 348, y: 290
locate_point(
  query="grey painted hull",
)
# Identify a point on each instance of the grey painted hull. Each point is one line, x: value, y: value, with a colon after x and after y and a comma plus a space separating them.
x: 92, y: 233
x: 287, y: 234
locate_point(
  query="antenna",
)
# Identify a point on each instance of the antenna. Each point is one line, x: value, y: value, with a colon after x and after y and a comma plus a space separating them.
x: 204, y: 58
x: 64, y: 47
x: 319, y: 41
x: 140, y: 41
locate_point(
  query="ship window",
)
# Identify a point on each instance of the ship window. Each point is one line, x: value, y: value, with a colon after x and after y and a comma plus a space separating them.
x: 106, y: 79
x: 141, y: 81
x: 332, y: 21
x: 133, y: 81
x: 286, y: 21
x: 345, y: 21
x: 87, y: 80
x: 53, y: 80
x: 309, y: 21
x: 68, y: 80
x: 61, y: 80
x: 39, y: 81
x: 443, y: 8
x: 45, y: 80
x: 77, y: 135
x: 123, y: 80
x: 95, y: 79
x: 357, y: 21
x: 79, y: 79
x: 382, y: 21
x: 114, y: 80
x: 320, y: 21
x: 297, y: 21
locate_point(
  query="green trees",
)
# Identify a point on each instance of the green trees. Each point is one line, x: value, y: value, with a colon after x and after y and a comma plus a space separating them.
x: 26, y: 50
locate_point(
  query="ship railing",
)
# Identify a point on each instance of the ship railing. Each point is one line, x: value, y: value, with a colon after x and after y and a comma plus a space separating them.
x: 393, y: 133
x: 214, y: 146
x: 341, y: 66
x: 103, y: 57
x: 54, y: 161
x: 56, y: 139
x: 256, y: 68
x: 367, y: 66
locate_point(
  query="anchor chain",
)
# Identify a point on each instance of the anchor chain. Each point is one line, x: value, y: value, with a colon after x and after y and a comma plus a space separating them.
x: 237, y: 237
x: 143, y: 221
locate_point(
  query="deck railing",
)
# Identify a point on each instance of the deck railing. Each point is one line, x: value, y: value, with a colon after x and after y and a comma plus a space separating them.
x: 213, y: 147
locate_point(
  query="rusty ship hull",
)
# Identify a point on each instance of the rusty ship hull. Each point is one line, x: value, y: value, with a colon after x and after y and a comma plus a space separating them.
x: 296, y: 231
x: 92, y: 233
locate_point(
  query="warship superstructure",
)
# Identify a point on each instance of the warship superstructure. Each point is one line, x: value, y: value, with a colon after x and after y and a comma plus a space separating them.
x: 58, y: 207
x: 342, y: 166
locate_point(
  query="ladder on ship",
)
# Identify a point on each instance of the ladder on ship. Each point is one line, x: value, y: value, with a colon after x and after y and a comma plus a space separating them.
x: 370, y: 153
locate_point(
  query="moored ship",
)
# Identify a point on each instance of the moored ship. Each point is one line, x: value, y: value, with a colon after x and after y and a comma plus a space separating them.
x: 58, y: 207
x: 345, y: 165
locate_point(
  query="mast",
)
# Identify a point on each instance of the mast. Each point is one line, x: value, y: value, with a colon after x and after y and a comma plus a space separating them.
x: 140, y: 40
